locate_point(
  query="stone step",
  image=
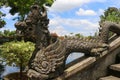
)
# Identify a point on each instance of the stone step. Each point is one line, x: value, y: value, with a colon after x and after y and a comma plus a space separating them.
x: 115, y: 67
x: 109, y: 78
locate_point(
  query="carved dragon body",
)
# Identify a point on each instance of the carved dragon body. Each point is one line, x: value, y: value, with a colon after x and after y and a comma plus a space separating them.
x: 48, y: 59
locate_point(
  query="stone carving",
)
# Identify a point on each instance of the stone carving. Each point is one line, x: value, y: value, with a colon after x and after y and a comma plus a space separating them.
x: 49, y: 56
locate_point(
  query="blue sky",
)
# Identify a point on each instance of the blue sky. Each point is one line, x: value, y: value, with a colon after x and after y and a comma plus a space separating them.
x: 71, y: 16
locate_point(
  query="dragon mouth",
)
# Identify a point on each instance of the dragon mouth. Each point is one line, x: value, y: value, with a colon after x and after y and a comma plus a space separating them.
x: 34, y: 75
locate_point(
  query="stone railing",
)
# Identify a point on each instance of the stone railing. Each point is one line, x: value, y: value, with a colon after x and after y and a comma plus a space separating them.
x: 92, y: 68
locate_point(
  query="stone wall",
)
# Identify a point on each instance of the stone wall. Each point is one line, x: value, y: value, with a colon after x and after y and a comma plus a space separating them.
x: 92, y: 68
x: 98, y: 69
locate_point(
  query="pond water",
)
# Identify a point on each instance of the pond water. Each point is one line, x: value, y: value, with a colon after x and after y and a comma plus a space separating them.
x: 13, y: 68
x: 9, y: 69
x: 74, y: 56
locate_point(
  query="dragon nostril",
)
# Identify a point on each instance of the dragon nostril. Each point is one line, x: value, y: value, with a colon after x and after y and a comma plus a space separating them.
x: 30, y: 29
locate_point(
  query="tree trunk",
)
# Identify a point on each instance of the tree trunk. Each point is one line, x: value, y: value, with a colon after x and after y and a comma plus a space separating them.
x: 21, y: 68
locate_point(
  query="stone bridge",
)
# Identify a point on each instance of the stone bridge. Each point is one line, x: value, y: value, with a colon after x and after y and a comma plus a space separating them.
x: 104, y: 67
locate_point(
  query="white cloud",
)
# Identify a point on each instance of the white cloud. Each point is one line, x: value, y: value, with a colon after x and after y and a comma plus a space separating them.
x: 83, y: 12
x: 63, y: 5
x: 5, y: 10
x: 9, y: 16
x: 101, y: 11
x: 7, y: 28
x: 64, y: 26
x: 59, y: 30
x: 70, y: 22
x: 56, y: 27
x: 114, y: 3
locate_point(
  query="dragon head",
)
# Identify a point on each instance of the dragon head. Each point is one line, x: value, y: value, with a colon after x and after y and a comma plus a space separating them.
x: 34, y: 25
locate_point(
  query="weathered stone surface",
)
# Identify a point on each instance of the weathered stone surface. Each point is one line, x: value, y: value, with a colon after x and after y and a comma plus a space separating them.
x: 50, y: 54
x: 110, y: 78
x: 96, y: 69
x: 115, y: 67
x: 77, y: 67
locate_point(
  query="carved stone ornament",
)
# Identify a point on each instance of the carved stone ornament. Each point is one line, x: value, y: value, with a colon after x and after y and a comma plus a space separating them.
x: 49, y: 56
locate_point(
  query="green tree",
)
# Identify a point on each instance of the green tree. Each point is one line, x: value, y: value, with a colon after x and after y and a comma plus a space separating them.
x: 111, y: 14
x: 79, y: 35
x: 1, y: 69
x: 22, y: 6
x: 18, y: 52
x: 7, y: 33
x: 2, y: 22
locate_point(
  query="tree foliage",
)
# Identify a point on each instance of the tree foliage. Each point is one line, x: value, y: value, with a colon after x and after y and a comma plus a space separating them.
x: 17, y: 52
x: 22, y: 6
x: 111, y: 14
x: 2, y: 22
x: 2, y: 68
x: 79, y: 35
x: 8, y: 33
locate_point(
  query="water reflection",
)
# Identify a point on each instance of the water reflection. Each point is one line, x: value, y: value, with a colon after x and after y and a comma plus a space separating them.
x: 10, y: 69
x: 13, y: 68
x: 73, y: 56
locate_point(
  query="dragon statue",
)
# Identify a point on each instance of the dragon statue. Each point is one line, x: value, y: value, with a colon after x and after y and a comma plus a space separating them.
x: 50, y: 54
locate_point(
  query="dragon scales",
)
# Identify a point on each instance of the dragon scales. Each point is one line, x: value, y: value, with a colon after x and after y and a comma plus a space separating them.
x: 49, y: 56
